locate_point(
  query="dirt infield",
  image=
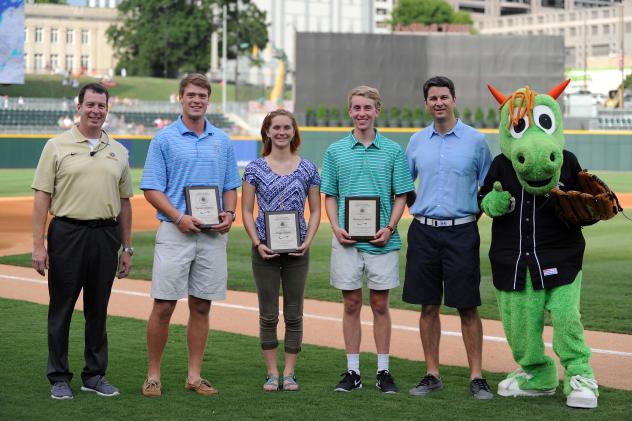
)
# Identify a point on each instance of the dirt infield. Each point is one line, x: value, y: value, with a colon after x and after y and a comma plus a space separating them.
x: 612, y: 353
x: 15, y: 220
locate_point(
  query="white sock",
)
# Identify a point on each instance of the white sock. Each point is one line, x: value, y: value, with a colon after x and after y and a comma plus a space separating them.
x: 382, y: 362
x: 353, y: 362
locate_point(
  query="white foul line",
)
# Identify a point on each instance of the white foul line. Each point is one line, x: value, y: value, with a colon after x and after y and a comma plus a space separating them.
x: 319, y: 317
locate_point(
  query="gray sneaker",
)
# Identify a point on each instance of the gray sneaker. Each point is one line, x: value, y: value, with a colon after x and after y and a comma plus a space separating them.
x: 61, y: 390
x: 100, y: 386
x: 480, y: 389
x: 426, y: 386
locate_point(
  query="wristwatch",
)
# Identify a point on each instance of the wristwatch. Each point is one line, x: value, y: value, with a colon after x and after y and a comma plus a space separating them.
x: 232, y: 213
x: 128, y: 250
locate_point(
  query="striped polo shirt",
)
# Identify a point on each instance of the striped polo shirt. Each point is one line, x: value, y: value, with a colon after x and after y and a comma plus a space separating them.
x: 179, y: 158
x: 381, y: 169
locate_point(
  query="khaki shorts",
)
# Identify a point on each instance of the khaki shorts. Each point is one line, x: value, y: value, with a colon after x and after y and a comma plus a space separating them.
x: 189, y: 264
x: 348, y: 265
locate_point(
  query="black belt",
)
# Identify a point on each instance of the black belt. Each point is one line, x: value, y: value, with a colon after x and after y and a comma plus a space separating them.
x: 92, y: 223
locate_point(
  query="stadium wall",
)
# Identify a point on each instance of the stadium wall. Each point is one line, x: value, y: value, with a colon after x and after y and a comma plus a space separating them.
x: 604, y: 150
x: 328, y: 65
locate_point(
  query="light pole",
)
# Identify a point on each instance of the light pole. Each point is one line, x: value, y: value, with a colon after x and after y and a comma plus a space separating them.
x: 224, y: 54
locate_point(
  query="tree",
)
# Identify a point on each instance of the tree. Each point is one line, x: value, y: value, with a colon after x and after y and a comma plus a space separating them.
x: 462, y: 18
x: 246, y: 29
x: 405, y: 116
x: 334, y: 116
x: 479, y: 117
x: 168, y: 37
x: 427, y: 12
x: 467, y: 116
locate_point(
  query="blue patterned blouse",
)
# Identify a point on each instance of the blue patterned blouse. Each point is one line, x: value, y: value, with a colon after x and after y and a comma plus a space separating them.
x: 281, y: 192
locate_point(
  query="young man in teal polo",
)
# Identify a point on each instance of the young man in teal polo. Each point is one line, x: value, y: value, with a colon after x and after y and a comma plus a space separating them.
x: 365, y: 163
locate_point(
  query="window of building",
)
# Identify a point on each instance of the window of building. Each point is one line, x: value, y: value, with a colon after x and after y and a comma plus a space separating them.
x: 606, y: 29
x: 70, y: 36
x: 54, y: 62
x: 572, y: 31
x: 540, y: 19
x: 85, y: 36
x: 509, y: 22
x: 560, y: 17
x: 572, y: 16
x: 600, y: 50
x: 570, y: 56
x: 38, y: 61
x: 381, y: 11
x: 605, y: 13
x: 628, y: 27
x: 382, y: 24
x: 38, y: 34
x: 594, y: 30
x: 69, y: 63
x: 594, y: 14
x: 85, y: 62
x: 54, y: 35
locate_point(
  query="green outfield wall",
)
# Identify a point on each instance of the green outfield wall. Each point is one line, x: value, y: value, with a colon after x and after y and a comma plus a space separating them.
x: 596, y: 150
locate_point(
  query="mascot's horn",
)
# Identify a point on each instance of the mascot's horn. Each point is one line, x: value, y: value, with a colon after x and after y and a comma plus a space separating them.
x: 557, y: 91
x: 499, y: 97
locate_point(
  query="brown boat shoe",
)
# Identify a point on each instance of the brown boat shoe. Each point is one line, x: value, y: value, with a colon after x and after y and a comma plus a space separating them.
x: 151, y: 388
x: 203, y: 388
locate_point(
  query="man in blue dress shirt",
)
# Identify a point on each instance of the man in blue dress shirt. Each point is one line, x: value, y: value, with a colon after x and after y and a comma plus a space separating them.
x: 451, y: 160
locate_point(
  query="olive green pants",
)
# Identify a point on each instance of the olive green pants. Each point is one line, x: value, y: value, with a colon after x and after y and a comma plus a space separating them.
x: 291, y: 273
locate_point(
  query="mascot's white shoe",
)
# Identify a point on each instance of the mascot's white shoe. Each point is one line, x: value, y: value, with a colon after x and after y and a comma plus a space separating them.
x: 510, y: 387
x: 584, y: 394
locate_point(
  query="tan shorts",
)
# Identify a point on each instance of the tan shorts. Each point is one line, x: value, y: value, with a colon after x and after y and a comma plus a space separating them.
x: 348, y: 264
x: 189, y: 264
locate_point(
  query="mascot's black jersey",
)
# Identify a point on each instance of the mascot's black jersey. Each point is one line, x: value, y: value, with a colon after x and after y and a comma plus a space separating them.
x: 531, y: 236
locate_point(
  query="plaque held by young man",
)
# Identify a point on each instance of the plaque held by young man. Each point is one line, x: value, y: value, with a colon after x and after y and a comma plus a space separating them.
x: 282, y: 231
x: 203, y: 204
x: 362, y: 217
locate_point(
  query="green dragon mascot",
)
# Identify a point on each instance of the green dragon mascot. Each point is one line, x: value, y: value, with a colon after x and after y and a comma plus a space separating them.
x: 536, y: 259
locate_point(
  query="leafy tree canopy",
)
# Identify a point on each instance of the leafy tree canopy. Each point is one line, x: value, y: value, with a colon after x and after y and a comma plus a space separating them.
x: 169, y: 37
x: 426, y: 12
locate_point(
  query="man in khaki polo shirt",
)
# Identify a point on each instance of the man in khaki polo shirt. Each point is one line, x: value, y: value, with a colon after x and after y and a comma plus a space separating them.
x: 83, y: 179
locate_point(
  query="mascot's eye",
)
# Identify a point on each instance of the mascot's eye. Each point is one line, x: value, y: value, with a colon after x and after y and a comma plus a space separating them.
x: 544, y: 118
x: 517, y: 130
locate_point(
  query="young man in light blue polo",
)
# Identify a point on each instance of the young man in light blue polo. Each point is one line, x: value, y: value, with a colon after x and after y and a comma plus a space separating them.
x: 365, y: 163
x: 188, y: 262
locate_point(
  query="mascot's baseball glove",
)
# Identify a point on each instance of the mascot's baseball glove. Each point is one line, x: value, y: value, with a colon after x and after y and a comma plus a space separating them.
x: 595, y: 202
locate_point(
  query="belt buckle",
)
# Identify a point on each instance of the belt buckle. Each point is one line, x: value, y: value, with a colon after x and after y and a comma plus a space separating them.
x: 93, y: 224
x: 444, y: 223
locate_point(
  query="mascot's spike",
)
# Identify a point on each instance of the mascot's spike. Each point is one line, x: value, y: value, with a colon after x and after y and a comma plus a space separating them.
x: 499, y: 97
x: 557, y: 91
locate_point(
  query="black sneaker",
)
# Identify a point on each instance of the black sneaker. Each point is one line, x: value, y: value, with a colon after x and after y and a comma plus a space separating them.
x: 351, y: 380
x: 386, y: 382
x: 480, y: 389
x: 426, y: 386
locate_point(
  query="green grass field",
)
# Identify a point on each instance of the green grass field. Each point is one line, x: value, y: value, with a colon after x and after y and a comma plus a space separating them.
x: 17, y: 182
x: 143, y: 88
x: 234, y: 365
x: 606, y: 284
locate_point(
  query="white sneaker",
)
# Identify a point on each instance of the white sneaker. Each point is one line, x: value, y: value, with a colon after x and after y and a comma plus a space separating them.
x: 584, y: 394
x: 510, y: 387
